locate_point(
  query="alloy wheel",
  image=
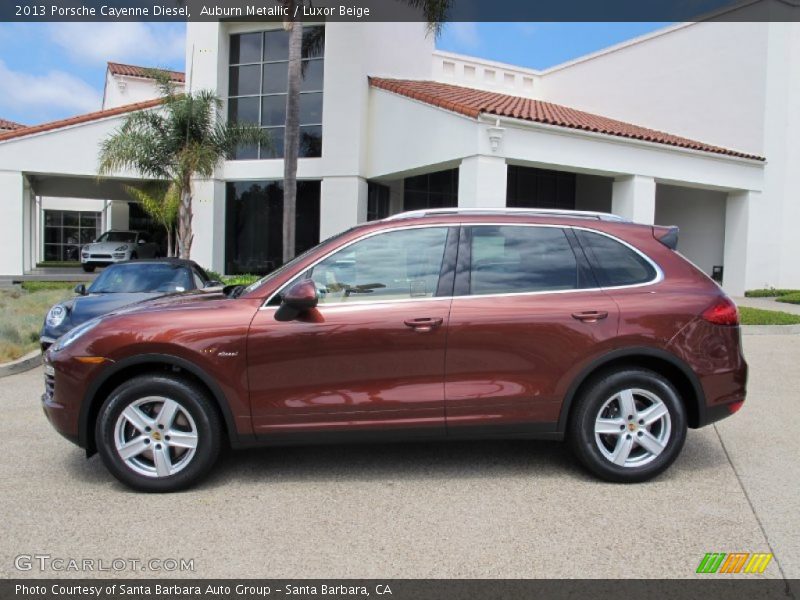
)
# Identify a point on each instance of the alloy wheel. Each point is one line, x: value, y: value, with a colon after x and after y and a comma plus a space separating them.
x: 155, y: 436
x: 632, y: 428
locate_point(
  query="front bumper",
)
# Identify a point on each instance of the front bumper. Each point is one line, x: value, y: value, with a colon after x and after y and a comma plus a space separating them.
x: 105, y: 258
x: 63, y: 418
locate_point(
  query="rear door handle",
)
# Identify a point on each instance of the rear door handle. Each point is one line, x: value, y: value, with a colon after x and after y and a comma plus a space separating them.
x: 423, y: 325
x: 590, y: 316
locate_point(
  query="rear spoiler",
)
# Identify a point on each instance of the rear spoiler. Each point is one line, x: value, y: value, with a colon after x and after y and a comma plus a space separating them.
x: 667, y: 235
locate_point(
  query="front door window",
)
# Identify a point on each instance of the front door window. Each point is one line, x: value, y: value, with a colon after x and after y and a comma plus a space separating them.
x: 398, y: 265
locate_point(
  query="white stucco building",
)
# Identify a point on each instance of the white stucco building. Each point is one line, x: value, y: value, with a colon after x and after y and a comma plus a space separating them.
x: 694, y: 125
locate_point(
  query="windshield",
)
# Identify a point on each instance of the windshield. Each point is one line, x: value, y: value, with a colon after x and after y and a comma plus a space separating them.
x: 127, y: 237
x: 142, y: 277
x: 253, y: 286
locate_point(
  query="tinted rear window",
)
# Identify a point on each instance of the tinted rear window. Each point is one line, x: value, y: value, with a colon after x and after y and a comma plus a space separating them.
x: 614, y: 263
x: 511, y: 259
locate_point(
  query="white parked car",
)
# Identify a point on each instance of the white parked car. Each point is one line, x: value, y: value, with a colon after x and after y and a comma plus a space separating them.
x: 117, y: 246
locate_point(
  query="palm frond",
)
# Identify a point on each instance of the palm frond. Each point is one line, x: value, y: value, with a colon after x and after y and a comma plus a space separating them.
x: 435, y: 11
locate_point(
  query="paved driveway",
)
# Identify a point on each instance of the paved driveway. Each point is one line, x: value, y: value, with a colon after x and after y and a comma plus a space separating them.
x: 488, y: 509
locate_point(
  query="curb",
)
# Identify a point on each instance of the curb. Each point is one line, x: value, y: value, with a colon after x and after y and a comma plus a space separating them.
x: 26, y: 363
x: 770, y: 329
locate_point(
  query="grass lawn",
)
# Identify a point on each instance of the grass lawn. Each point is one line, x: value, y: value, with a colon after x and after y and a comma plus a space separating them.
x: 757, y: 316
x: 793, y: 298
x: 22, y: 312
x: 769, y: 293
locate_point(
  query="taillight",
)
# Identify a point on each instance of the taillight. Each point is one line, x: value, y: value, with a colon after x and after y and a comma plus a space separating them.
x: 722, y: 312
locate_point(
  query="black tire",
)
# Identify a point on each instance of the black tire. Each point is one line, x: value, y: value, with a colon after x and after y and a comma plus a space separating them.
x: 134, y: 256
x: 592, y: 399
x: 190, y: 398
x: 88, y: 268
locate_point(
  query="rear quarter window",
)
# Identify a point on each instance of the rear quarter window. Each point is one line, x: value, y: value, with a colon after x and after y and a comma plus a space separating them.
x: 614, y: 263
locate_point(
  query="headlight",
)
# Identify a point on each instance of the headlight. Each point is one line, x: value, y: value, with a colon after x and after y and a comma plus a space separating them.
x: 69, y: 337
x: 56, y: 315
x: 121, y: 248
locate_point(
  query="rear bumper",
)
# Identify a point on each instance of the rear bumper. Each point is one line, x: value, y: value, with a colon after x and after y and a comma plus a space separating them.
x: 714, y: 353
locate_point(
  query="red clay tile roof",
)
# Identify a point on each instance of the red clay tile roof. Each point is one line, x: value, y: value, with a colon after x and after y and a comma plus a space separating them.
x: 9, y: 125
x: 134, y: 71
x: 472, y: 102
x: 93, y: 116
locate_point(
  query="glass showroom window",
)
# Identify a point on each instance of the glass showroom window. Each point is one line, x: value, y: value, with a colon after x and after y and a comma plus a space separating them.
x: 65, y: 231
x: 258, y: 82
x: 254, y: 224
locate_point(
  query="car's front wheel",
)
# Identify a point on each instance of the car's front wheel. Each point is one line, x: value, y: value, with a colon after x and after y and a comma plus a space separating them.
x: 629, y: 425
x: 158, y: 433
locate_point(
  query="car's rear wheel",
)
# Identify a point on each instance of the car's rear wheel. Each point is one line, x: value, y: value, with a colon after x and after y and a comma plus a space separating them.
x: 158, y: 433
x: 88, y: 268
x: 629, y: 425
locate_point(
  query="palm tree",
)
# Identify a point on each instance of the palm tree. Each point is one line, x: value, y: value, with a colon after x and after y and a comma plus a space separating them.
x: 184, y: 139
x: 160, y: 200
x: 435, y: 12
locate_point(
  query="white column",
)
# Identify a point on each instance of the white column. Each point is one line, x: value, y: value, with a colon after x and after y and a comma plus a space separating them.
x: 12, y: 227
x: 751, y: 251
x: 28, y: 226
x: 482, y: 182
x: 343, y: 203
x: 118, y: 215
x: 634, y: 198
x: 208, y: 224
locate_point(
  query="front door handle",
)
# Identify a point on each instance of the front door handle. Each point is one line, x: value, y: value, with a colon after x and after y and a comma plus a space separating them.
x: 590, y: 316
x: 423, y: 325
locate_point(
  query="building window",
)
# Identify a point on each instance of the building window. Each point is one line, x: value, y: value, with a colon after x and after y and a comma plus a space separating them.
x: 432, y: 190
x: 65, y: 231
x: 258, y: 83
x: 539, y: 188
x: 377, y: 201
x: 254, y: 224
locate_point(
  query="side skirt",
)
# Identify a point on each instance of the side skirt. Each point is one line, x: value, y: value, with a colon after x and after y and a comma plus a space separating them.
x: 538, y: 431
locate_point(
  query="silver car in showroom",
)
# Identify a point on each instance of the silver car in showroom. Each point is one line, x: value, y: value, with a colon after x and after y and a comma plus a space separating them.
x: 117, y: 246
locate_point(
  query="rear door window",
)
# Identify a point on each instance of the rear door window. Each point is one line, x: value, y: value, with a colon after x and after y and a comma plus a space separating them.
x: 509, y: 259
x: 614, y: 263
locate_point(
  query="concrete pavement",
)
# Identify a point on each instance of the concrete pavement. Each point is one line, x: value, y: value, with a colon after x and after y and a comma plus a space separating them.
x: 485, y: 509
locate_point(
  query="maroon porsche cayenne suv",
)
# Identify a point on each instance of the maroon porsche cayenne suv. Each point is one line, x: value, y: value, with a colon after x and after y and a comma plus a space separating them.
x: 443, y: 323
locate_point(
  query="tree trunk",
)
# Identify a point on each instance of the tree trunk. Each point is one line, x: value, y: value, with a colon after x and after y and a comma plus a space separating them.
x: 185, y: 221
x: 169, y: 241
x: 291, y: 143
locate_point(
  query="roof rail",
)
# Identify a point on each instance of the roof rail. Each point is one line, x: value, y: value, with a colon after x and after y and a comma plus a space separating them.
x: 545, y: 212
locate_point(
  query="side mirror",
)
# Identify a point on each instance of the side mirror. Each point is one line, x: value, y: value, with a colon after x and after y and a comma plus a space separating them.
x: 141, y: 241
x: 80, y: 289
x: 299, y: 298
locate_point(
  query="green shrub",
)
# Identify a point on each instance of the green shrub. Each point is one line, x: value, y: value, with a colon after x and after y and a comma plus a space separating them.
x: 757, y: 316
x: 213, y: 275
x: 245, y: 279
x: 38, y: 286
x: 793, y: 298
x: 769, y: 293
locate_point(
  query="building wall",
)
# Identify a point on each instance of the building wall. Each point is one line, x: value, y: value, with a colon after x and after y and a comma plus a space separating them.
x: 382, y: 49
x: 485, y: 74
x: 705, y: 81
x: 120, y: 90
